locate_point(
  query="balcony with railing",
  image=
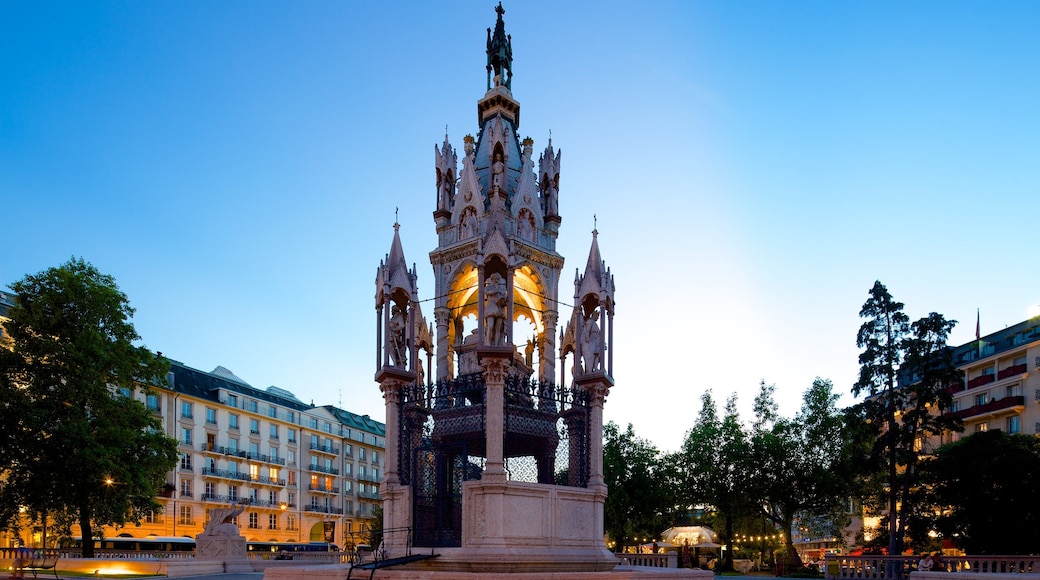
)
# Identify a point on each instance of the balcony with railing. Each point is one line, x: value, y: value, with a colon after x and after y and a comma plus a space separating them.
x: 1011, y: 371
x: 323, y: 509
x: 216, y: 498
x: 263, y: 479
x: 323, y: 469
x: 322, y: 488
x: 370, y: 495
x: 1013, y: 403
x: 326, y: 448
x: 981, y: 380
x: 225, y: 474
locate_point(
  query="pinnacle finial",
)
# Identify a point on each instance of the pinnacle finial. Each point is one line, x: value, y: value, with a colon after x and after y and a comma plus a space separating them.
x: 500, y: 53
x: 397, y: 226
x: 595, y: 226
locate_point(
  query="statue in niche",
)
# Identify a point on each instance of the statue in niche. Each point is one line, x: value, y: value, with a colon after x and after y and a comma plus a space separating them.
x: 495, y: 310
x: 551, y: 203
x: 468, y: 227
x: 524, y: 228
x: 222, y: 521
x: 447, y: 190
x: 591, y: 344
x: 529, y: 352
x: 460, y: 329
x: 420, y: 374
x: 397, y: 338
x: 498, y: 172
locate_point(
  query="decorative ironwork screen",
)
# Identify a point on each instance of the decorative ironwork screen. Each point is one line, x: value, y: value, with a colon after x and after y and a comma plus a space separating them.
x: 547, y: 433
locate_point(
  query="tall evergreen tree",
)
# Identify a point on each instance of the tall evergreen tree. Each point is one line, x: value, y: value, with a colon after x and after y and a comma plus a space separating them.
x: 905, y: 370
x: 81, y: 446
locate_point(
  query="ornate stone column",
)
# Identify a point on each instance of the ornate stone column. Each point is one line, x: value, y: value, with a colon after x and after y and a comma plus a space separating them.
x: 547, y: 347
x: 495, y: 361
x: 443, y: 318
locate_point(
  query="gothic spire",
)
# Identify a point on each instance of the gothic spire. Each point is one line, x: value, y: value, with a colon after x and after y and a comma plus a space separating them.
x: 500, y: 53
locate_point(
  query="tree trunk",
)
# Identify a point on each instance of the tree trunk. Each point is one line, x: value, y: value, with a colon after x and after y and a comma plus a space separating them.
x: 727, y: 562
x: 86, y: 532
x: 792, y: 561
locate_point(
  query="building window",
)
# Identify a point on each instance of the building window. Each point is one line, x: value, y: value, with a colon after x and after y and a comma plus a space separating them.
x: 292, y: 435
x: 314, y: 423
x: 290, y: 522
x: 361, y: 453
x: 1014, y: 390
x: 232, y: 446
x: 290, y: 416
x: 348, y: 450
x: 272, y: 521
x: 254, y: 473
x: 186, y: 461
x: 211, y: 416
x: 232, y: 493
x: 233, y: 468
x: 254, y: 496
x: 292, y: 499
x: 272, y: 412
x: 152, y: 402
x: 251, y: 404
x: 185, y: 488
x: 375, y: 457
x: 981, y: 427
x: 272, y: 473
x: 348, y: 469
x: 361, y: 472
x: 254, y: 520
x: 271, y: 498
x: 274, y: 453
x: 291, y: 457
x: 152, y: 518
x: 1013, y: 425
x: 186, y: 410
x: 233, y: 422
x: 292, y: 477
x: 980, y: 399
x: 328, y: 427
x: 254, y: 427
x: 232, y: 400
x: 125, y: 392
x: 955, y: 406
x: 186, y: 436
x: 211, y: 490
x: 274, y: 431
x: 348, y: 486
x: 185, y: 516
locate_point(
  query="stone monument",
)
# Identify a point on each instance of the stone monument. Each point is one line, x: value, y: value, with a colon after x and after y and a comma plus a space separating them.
x: 221, y: 539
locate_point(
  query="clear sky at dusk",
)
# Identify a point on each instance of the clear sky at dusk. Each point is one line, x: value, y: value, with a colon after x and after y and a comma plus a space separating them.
x: 753, y: 168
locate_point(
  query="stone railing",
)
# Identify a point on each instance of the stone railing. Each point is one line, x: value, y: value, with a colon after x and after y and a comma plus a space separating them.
x: 884, y: 568
x: 669, y: 560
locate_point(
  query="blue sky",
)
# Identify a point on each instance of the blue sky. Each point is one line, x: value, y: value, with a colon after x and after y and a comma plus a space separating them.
x: 753, y: 167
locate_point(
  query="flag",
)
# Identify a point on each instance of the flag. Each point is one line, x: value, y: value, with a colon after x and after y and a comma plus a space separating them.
x: 976, y: 324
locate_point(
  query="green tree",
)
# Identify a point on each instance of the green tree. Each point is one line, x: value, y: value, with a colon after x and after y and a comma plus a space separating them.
x: 807, y: 467
x: 905, y: 370
x: 79, y: 445
x: 715, y: 468
x: 985, y: 487
x: 638, y: 497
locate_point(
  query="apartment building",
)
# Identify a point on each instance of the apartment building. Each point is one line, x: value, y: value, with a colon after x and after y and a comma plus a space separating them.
x: 1001, y: 388
x: 300, y: 467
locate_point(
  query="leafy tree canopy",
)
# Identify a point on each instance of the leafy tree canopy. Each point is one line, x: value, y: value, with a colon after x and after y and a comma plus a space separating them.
x: 77, y: 445
x: 985, y: 487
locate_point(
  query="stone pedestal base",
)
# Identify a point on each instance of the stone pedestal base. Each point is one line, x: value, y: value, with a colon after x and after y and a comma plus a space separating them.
x: 220, y: 548
x: 407, y: 573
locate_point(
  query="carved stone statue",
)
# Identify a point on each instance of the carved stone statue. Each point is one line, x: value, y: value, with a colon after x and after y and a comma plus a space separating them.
x: 551, y: 202
x: 468, y: 227
x: 495, y: 310
x: 397, y: 339
x: 221, y: 522
x: 498, y: 172
x: 529, y: 352
x: 591, y: 343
